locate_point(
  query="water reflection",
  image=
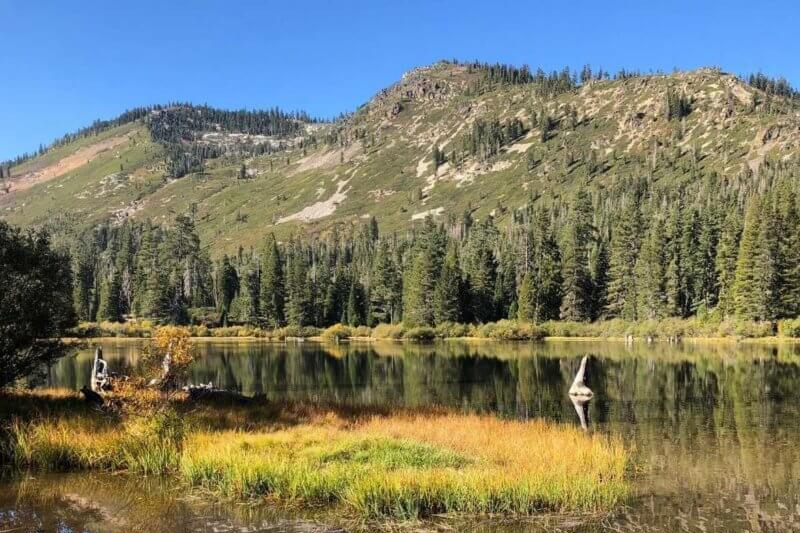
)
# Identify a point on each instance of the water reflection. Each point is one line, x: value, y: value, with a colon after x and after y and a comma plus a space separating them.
x: 581, y: 404
x: 714, y: 428
x: 83, y: 503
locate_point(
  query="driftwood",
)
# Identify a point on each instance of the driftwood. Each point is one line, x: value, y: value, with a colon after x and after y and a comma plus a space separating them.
x: 209, y: 391
x: 100, y: 379
x: 578, y: 387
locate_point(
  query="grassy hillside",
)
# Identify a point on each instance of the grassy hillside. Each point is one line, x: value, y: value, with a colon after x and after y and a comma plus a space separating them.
x: 381, y: 161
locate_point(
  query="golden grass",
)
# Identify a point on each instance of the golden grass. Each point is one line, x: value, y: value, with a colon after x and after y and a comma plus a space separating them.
x: 402, y: 465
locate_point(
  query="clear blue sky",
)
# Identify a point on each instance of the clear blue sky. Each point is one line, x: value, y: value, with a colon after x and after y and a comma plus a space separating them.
x: 66, y: 63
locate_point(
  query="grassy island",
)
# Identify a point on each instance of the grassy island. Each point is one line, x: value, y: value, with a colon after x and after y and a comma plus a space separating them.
x: 371, y: 463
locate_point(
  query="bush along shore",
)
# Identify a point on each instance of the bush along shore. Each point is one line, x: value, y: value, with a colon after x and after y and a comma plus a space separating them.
x: 665, y: 329
x: 372, y: 464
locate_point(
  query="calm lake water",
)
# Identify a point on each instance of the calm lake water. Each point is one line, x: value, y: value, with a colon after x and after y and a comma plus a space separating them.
x: 714, y: 429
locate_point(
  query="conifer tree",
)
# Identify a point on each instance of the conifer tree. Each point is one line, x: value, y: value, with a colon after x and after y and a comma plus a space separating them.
x: 789, y: 253
x: 355, y: 303
x: 146, y: 275
x: 691, y: 262
x: 704, y: 287
x: 385, y: 296
x: 526, y: 305
x: 481, y: 269
x: 175, y: 299
x: 84, y: 280
x: 124, y: 264
x: 599, y: 273
x: 298, y: 289
x: 576, y: 303
x: 651, y: 272
x: 272, y: 290
x: 505, y: 287
x: 623, y: 284
x: 419, y: 281
x: 674, y: 274
x: 109, y: 305
x: 247, y: 304
x: 725, y: 262
x: 418, y: 286
x: 447, y: 294
x: 229, y: 288
x: 544, y: 271
x: 755, y: 266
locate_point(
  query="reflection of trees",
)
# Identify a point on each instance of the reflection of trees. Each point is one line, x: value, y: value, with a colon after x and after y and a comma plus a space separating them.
x: 71, y: 503
x: 74, y: 370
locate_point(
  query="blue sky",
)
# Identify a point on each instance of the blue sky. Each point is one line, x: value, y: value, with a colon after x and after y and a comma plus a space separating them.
x: 64, y: 64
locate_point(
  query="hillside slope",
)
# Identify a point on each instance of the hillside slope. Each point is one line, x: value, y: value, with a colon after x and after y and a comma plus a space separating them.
x: 443, y: 140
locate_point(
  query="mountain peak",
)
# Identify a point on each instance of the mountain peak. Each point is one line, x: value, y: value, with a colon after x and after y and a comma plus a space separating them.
x: 446, y: 139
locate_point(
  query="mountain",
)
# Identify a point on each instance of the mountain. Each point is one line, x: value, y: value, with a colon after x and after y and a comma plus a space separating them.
x: 445, y: 140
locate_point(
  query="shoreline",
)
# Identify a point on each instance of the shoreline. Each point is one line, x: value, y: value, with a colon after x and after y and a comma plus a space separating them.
x: 318, y: 339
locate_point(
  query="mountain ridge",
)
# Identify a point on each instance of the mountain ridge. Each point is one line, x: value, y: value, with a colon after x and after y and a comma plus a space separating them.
x: 445, y: 139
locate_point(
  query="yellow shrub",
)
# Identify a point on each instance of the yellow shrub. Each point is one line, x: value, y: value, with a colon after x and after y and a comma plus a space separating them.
x: 170, y: 343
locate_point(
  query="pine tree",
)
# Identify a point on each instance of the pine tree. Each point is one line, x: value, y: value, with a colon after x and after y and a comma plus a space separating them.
x: 176, y: 310
x: 623, y: 284
x: 272, y: 290
x: 599, y: 273
x: 447, y: 294
x: 418, y: 285
x: 725, y: 262
x: 753, y: 285
x: 146, y: 274
x: 691, y: 261
x: 674, y: 273
x: 124, y: 264
x: 355, y: 303
x: 481, y: 269
x: 505, y: 287
x: 651, y: 272
x: 576, y: 303
x: 789, y: 253
x: 84, y: 269
x: 526, y: 300
x: 705, y: 274
x: 109, y: 306
x: 229, y: 288
x: 419, y: 280
x: 298, y: 289
x: 193, y: 268
x: 247, y: 305
x: 385, y: 295
x: 544, y: 271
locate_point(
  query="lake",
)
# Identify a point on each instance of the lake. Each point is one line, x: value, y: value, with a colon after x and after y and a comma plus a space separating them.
x: 714, y: 429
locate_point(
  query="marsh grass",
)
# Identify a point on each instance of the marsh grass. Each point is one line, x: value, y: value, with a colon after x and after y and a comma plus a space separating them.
x: 698, y: 327
x: 145, y: 445
x: 407, y: 466
x: 400, y: 465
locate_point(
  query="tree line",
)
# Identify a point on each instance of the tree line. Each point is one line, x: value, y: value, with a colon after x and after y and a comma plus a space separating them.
x: 182, y: 122
x: 179, y: 128
x: 640, y: 257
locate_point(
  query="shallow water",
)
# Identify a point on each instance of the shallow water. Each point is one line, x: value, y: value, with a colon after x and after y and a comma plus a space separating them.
x: 714, y: 428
